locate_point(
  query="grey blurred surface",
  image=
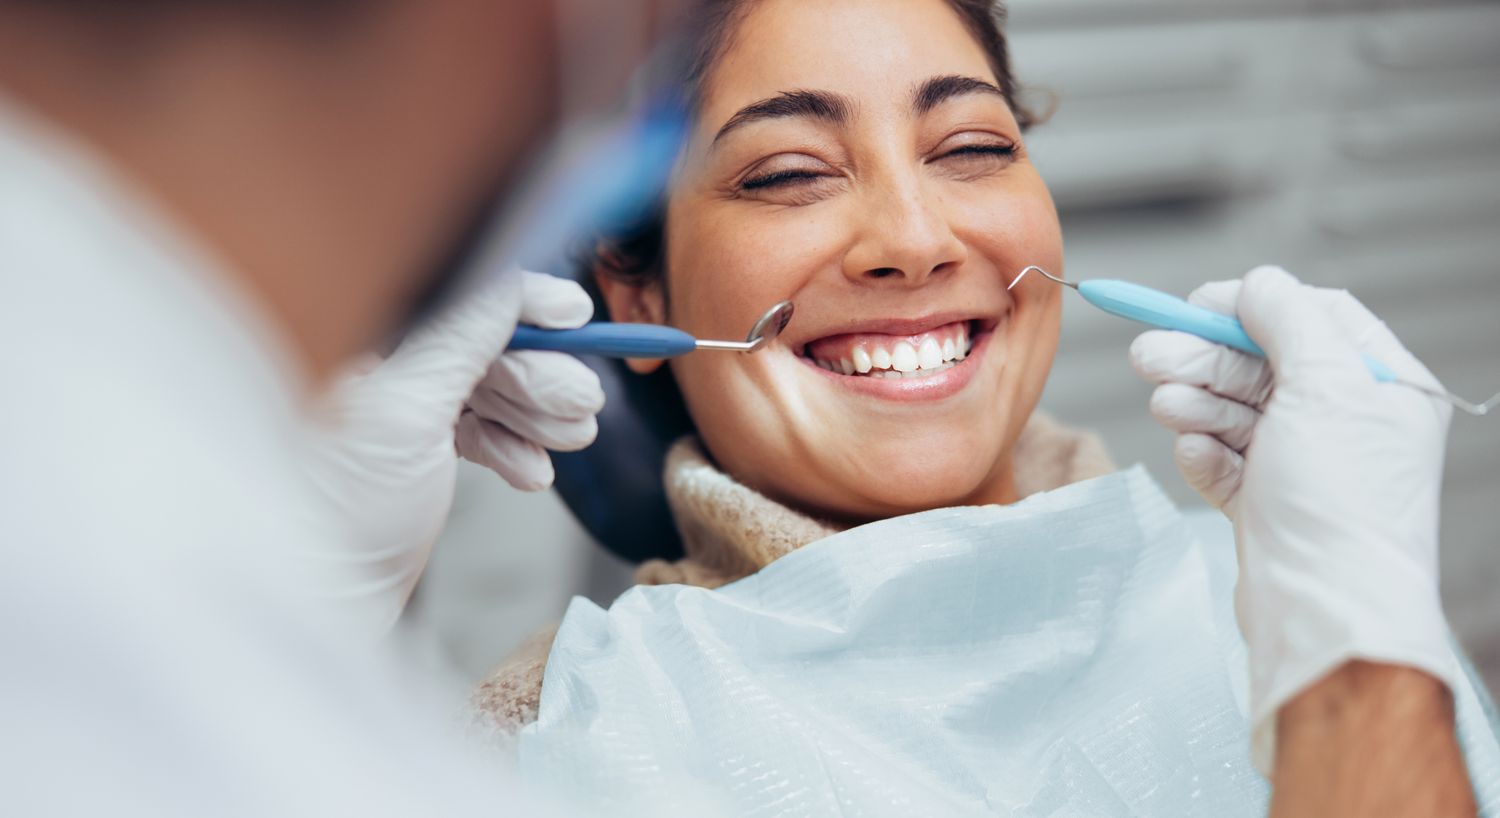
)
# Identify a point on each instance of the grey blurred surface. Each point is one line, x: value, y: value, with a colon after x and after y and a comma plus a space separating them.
x: 1354, y: 143
x: 506, y: 566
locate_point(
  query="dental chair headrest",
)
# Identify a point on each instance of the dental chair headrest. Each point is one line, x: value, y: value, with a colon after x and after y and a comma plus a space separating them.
x: 614, y: 487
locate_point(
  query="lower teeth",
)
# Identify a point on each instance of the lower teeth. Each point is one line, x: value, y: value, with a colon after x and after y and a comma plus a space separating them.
x: 915, y: 373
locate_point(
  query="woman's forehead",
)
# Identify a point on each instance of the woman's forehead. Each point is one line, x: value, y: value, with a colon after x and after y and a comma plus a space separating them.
x: 868, y: 51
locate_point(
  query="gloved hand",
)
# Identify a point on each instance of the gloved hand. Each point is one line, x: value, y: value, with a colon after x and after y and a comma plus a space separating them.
x: 386, y: 464
x: 1331, y: 478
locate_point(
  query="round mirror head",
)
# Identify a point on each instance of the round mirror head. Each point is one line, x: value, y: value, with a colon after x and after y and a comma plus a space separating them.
x: 769, y: 326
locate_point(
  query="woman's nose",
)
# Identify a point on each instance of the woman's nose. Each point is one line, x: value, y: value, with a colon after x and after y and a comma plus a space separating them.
x: 903, y: 237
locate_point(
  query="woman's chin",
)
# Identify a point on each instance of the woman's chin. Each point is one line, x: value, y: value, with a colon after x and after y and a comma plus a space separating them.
x: 895, y: 488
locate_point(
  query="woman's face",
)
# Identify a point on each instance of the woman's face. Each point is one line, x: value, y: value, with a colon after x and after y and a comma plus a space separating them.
x: 856, y: 158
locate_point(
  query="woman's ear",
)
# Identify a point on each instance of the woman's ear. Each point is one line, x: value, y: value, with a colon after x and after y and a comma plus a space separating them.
x: 634, y: 304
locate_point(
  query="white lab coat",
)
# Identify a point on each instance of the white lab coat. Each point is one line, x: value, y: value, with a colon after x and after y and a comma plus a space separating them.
x: 162, y: 651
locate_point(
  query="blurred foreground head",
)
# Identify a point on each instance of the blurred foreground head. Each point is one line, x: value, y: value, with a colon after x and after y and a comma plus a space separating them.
x: 336, y: 155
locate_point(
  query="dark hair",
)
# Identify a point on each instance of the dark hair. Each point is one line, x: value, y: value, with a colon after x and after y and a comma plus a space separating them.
x: 635, y: 255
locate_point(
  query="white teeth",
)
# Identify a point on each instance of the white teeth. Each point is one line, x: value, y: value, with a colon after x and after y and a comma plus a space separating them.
x: 847, y: 367
x: 930, y: 354
x: 904, y: 358
x: 862, y: 362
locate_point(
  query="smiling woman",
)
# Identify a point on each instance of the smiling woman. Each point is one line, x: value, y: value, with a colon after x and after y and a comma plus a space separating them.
x: 866, y: 160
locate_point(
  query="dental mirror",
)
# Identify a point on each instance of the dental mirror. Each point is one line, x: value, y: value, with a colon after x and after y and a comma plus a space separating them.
x: 761, y: 334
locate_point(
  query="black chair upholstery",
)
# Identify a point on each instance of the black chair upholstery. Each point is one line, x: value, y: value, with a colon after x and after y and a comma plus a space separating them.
x: 614, y: 487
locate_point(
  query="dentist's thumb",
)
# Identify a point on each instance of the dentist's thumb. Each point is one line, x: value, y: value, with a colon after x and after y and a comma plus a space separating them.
x: 1307, y: 348
x: 449, y: 356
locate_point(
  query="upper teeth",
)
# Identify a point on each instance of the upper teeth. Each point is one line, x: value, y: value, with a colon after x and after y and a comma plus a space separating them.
x: 901, y: 358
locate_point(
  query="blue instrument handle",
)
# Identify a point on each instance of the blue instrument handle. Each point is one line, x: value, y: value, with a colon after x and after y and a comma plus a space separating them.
x: 608, y: 339
x: 1165, y: 311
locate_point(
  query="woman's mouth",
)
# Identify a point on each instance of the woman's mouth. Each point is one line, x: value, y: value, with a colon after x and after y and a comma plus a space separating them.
x: 889, y: 356
x: 925, y: 365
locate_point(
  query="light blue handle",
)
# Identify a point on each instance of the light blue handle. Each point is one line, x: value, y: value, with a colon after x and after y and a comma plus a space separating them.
x: 1165, y: 311
x: 608, y: 339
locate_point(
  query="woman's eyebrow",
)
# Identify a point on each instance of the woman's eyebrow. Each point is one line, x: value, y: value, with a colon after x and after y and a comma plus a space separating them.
x: 938, y: 90
x: 824, y: 105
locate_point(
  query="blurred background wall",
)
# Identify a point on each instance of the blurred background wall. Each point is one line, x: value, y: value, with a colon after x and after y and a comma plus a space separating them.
x: 1355, y: 143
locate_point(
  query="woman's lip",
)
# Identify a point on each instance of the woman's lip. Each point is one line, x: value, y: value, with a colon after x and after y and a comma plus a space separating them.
x: 950, y: 381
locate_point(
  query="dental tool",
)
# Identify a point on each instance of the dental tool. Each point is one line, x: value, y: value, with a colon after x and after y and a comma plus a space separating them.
x: 1163, y: 311
x: 616, y: 340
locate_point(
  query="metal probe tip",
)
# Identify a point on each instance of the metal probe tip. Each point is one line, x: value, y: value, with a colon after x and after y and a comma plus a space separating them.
x: 1478, y: 410
x: 1045, y: 274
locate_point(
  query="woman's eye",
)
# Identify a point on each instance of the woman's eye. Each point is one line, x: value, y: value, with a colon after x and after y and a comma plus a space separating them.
x: 789, y: 184
x: 997, y: 150
x: 777, y: 179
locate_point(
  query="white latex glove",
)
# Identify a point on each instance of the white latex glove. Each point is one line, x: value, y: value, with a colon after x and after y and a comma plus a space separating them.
x: 1332, y: 481
x: 386, y: 465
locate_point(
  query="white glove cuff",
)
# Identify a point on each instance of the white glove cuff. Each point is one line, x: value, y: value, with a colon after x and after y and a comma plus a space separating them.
x: 1414, y: 636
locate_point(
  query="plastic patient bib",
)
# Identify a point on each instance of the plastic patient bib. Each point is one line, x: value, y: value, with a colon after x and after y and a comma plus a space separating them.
x: 1073, y: 654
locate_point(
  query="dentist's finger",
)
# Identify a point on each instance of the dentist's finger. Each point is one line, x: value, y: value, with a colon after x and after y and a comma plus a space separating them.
x: 521, y: 463
x: 1164, y: 356
x: 555, y: 383
x: 563, y: 434
x: 554, y: 303
x: 1211, y: 468
x: 1219, y: 296
x: 1188, y: 409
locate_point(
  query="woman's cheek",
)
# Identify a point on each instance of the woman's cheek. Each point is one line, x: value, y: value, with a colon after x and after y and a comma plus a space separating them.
x: 793, y: 245
x: 732, y: 257
x: 1014, y: 231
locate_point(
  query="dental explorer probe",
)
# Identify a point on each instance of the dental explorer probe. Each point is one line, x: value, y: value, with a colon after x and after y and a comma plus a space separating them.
x: 1164, y: 311
x: 613, y: 340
